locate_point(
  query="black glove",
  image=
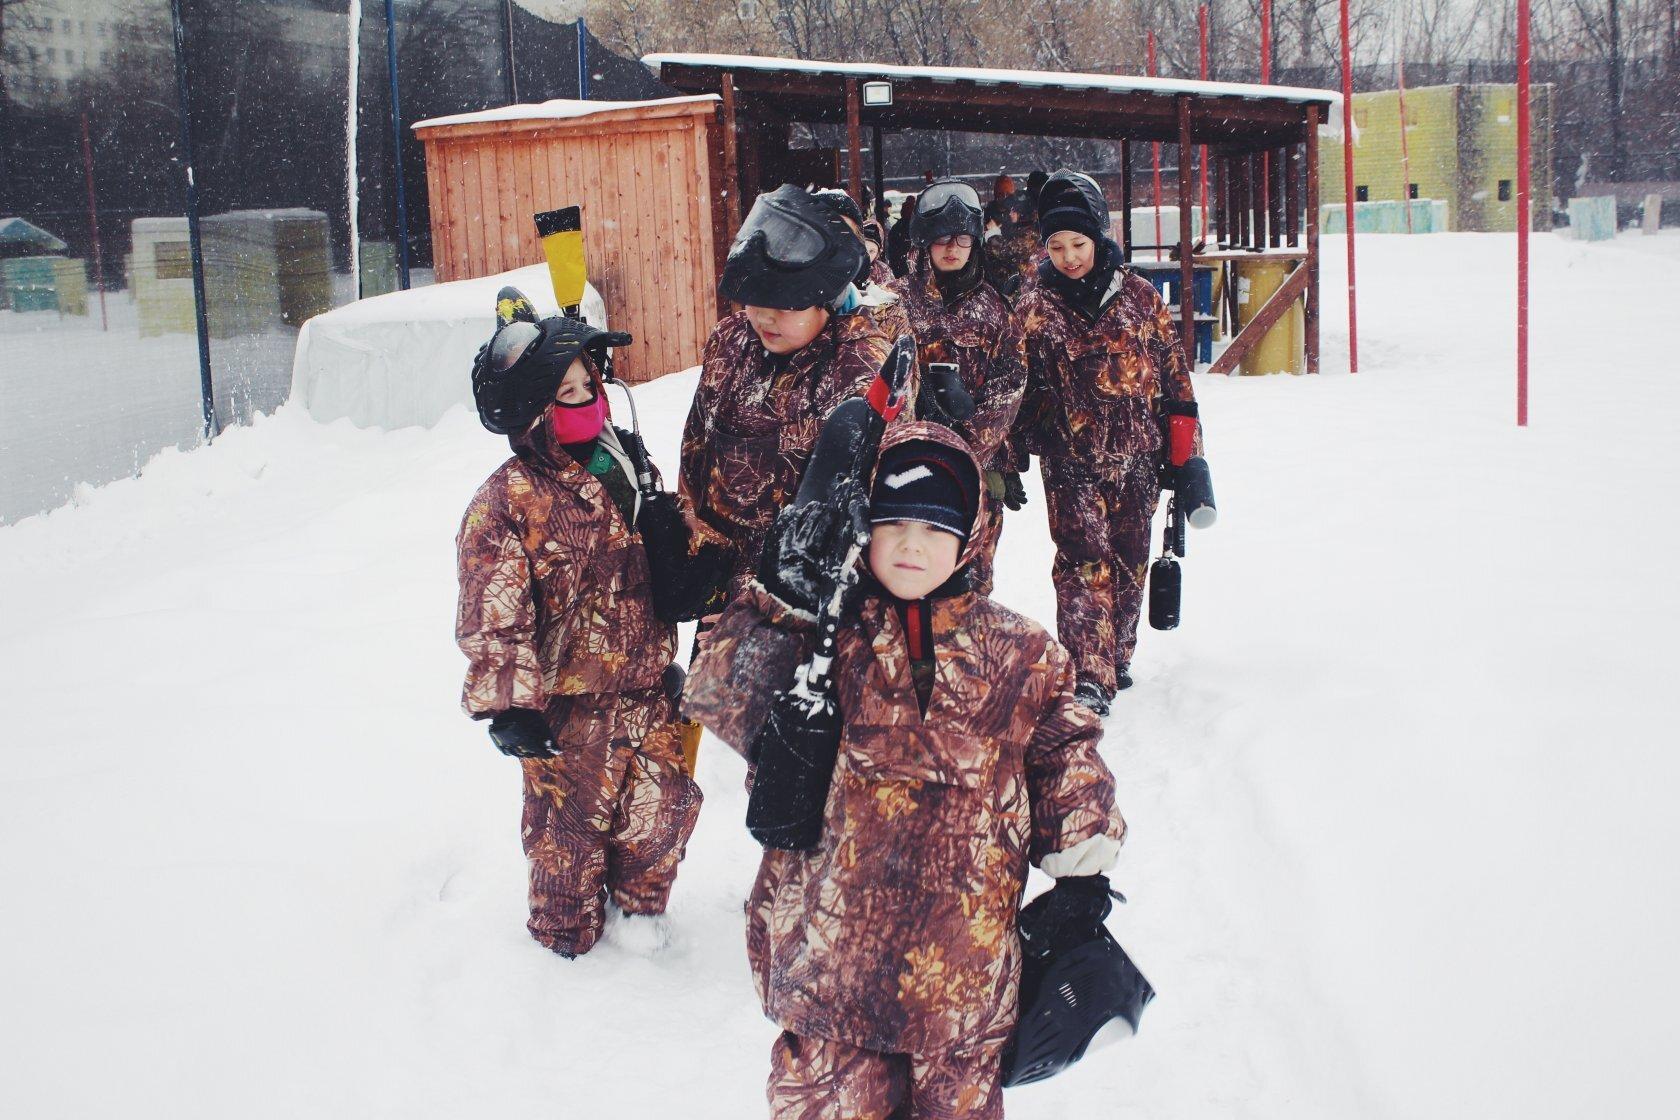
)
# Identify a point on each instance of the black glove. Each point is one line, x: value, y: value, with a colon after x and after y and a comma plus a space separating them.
x: 672, y: 681
x: 685, y: 587
x: 1066, y: 914
x: 807, y: 546
x: 522, y: 733
x: 1014, y: 491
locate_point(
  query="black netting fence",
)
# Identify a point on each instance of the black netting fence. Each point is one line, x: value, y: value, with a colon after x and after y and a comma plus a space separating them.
x: 106, y: 288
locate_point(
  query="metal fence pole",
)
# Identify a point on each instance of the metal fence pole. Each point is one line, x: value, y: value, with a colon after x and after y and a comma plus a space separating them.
x: 397, y: 144
x: 583, y: 60
x: 507, y: 47
x: 207, y: 390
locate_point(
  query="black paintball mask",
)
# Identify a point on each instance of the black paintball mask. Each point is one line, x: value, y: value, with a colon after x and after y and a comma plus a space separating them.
x: 793, y: 251
x: 946, y: 209
x: 516, y: 374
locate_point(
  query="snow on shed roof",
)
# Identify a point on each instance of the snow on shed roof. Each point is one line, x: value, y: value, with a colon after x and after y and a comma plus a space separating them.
x: 17, y: 234
x: 558, y: 109
x: 1050, y: 79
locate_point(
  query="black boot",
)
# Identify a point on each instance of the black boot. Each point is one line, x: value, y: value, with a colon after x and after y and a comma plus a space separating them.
x: 1122, y: 677
x: 1094, y: 696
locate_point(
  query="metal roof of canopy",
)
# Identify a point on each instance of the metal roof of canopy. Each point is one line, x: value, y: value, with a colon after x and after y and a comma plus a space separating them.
x: 1017, y: 102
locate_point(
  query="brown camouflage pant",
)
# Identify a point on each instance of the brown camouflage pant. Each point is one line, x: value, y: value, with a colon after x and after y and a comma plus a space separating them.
x: 816, y: 1079
x: 609, y: 816
x: 1100, y: 522
x: 982, y: 567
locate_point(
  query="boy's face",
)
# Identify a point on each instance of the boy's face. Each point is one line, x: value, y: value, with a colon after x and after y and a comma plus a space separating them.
x: 575, y: 387
x: 950, y: 254
x: 1072, y: 253
x: 910, y: 558
x: 783, y: 332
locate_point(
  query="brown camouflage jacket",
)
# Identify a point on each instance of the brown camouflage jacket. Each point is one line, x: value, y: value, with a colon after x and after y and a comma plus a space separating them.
x: 977, y: 332
x: 554, y: 588
x: 1094, y: 388
x: 755, y: 418
x: 898, y: 934
x: 1012, y: 255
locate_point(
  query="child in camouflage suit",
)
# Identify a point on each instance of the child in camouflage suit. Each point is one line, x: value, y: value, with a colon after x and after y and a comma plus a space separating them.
x: 771, y: 372
x: 1103, y: 355
x: 567, y: 659
x: 889, y: 955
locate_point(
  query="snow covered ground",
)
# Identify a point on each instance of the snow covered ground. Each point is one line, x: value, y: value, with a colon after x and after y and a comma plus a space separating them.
x: 1400, y: 789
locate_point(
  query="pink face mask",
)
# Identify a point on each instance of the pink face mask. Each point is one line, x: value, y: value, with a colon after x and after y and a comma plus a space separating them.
x: 576, y: 423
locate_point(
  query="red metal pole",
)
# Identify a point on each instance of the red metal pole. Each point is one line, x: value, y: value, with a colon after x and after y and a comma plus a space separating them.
x: 1347, y: 182
x: 1155, y: 161
x: 93, y: 225
x: 1524, y: 216
x: 1202, y: 28
x: 1264, y: 215
x: 1405, y: 156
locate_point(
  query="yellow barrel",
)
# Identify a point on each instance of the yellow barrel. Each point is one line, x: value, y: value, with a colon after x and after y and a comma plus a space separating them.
x: 1283, y: 349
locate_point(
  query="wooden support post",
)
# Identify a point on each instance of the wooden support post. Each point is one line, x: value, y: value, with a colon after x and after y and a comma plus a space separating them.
x: 877, y: 156
x: 1126, y: 201
x: 1247, y: 215
x: 1263, y: 206
x: 731, y: 156
x: 1311, y: 263
x: 854, y: 140
x: 1224, y: 195
x: 1279, y: 160
x: 1292, y: 195
x: 1186, y: 261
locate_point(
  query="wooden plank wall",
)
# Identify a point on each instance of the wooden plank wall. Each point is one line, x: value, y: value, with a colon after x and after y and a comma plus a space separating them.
x: 645, y: 186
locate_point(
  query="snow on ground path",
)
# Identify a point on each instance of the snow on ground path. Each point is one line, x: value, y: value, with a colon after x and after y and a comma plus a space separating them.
x: 1396, y: 788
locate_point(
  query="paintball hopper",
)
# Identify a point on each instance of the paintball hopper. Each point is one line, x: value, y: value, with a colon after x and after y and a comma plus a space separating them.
x: 943, y: 398
x: 793, y: 251
x: 561, y: 232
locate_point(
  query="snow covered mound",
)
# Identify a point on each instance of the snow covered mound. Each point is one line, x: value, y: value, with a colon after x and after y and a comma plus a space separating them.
x: 402, y: 358
x: 1400, y: 789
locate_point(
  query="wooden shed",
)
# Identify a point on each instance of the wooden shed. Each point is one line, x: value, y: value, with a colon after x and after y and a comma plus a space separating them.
x: 643, y: 174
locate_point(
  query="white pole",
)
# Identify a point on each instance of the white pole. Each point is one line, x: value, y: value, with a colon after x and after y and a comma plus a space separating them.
x: 351, y: 190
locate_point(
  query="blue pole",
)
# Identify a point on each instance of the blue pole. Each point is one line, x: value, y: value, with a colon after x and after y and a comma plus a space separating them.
x: 397, y: 144
x: 206, y: 389
x: 583, y: 61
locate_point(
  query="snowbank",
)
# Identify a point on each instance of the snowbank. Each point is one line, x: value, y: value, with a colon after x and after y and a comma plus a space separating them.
x: 404, y: 358
x: 1400, y: 788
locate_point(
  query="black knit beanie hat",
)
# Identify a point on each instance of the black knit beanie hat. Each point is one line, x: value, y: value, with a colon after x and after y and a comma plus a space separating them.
x: 927, y: 482
x: 1072, y: 201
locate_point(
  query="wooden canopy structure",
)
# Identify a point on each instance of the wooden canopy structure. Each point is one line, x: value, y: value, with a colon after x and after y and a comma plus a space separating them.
x: 1259, y: 146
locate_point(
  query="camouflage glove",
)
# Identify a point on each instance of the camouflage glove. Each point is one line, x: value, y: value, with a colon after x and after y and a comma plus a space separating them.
x: 1014, y: 491
x: 806, y: 549
x: 522, y: 733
